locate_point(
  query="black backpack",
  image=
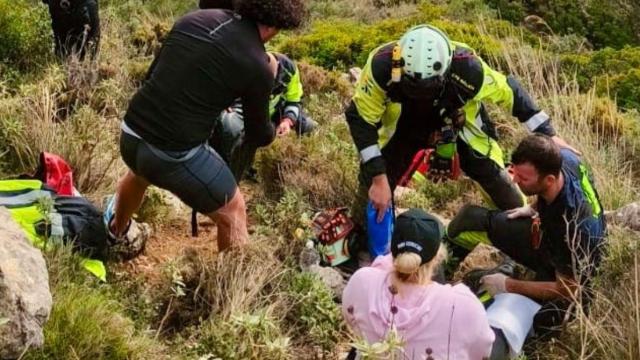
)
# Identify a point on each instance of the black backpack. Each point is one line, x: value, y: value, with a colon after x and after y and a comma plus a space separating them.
x: 82, y: 226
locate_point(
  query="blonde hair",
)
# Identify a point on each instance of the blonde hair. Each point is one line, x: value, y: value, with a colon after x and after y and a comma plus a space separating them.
x: 407, y: 268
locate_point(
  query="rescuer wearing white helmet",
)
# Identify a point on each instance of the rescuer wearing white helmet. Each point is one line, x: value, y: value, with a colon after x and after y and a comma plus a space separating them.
x: 428, y: 91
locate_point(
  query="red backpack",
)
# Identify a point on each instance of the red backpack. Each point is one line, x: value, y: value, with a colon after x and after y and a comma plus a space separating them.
x: 56, y: 174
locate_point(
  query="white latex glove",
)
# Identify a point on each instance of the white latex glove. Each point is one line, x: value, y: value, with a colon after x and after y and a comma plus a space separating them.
x: 494, y: 284
x: 521, y: 212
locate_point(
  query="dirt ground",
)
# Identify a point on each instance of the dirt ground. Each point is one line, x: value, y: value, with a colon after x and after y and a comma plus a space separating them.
x: 169, y: 240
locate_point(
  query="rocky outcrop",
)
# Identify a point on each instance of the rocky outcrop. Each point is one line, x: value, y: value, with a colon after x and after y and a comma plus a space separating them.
x: 25, y: 298
x: 309, y: 261
x: 628, y: 216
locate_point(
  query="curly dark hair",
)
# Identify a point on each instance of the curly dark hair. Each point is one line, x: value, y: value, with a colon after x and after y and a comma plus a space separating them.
x: 280, y: 14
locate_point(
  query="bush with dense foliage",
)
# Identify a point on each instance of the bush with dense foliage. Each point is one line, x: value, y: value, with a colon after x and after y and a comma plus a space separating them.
x: 342, y: 43
x: 604, y: 23
x: 25, y: 34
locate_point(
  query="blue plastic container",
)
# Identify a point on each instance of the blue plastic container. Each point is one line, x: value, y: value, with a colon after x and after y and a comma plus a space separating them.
x: 379, y: 233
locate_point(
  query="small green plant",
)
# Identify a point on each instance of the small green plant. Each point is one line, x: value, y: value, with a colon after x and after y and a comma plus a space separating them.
x: 178, y: 284
x: 290, y: 213
x: 390, y: 348
x: 46, y: 210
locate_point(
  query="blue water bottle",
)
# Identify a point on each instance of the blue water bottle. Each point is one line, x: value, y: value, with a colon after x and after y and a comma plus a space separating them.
x: 379, y: 233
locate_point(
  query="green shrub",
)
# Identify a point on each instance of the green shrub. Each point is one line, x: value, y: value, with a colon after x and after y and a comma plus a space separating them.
x: 615, y: 72
x: 343, y: 43
x: 322, y: 167
x: 245, y: 336
x: 609, y: 26
x: 86, y: 321
x: 316, y: 80
x: 25, y: 35
x: 603, y: 23
x: 161, y: 8
x: 288, y: 214
x: 513, y: 11
x: 314, y: 315
x: 624, y: 87
x: 610, y: 61
x: 147, y: 33
x: 88, y: 324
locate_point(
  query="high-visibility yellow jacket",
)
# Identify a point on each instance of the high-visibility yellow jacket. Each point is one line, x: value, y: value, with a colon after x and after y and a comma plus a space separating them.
x: 374, y: 113
x: 24, y: 199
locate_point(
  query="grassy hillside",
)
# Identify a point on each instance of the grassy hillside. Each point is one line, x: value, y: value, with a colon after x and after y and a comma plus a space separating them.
x: 255, y: 303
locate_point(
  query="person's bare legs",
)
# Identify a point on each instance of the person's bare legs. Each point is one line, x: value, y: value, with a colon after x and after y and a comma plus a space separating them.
x: 131, y: 189
x: 231, y: 221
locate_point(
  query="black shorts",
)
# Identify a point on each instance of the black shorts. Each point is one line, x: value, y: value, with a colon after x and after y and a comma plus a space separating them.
x: 199, y: 177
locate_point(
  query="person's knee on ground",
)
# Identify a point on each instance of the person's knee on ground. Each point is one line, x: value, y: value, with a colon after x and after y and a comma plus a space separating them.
x: 305, y: 125
x: 231, y: 220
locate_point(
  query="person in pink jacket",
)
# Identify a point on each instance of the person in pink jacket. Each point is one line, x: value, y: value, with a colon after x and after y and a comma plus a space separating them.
x: 434, y: 321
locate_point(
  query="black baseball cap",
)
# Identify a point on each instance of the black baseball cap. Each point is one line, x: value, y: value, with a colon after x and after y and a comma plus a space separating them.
x: 418, y: 232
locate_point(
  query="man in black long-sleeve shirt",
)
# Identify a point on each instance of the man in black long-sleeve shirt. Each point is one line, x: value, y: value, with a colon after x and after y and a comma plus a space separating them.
x: 209, y: 59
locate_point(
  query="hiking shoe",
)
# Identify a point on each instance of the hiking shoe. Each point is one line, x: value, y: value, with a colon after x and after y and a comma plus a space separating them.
x: 131, y: 245
x: 107, y: 218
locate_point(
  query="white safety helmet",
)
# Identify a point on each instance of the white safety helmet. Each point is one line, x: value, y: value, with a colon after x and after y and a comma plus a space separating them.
x: 426, y: 51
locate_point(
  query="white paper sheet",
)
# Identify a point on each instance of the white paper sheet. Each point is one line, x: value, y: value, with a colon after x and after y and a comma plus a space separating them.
x: 513, y: 314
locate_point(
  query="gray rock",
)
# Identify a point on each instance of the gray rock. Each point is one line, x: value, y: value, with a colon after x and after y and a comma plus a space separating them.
x: 308, y: 256
x: 331, y: 278
x: 309, y: 261
x: 25, y: 298
x: 628, y: 216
